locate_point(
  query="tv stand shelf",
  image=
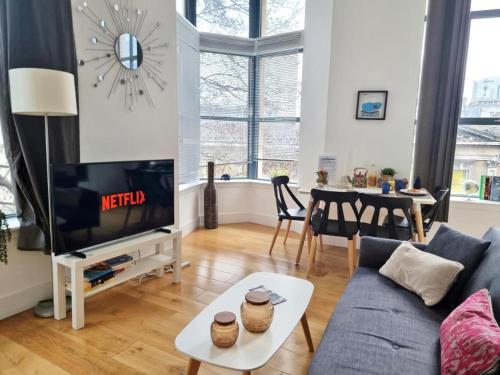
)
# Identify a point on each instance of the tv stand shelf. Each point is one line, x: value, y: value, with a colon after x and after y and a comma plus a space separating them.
x: 144, y: 265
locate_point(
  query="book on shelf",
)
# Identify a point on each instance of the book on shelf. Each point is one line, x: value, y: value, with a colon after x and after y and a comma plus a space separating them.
x: 87, y: 285
x: 97, y: 276
x: 119, y: 260
x: 495, y: 188
x: 117, y: 263
x: 482, y: 181
x: 102, y: 272
x: 489, y: 188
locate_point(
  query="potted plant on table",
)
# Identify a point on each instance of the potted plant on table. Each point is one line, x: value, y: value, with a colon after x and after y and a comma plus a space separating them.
x: 386, y: 175
x: 322, y: 179
x: 5, y: 237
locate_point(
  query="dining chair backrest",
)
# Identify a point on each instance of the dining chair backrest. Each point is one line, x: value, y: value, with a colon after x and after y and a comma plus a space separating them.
x: 280, y: 183
x: 440, y: 193
x: 338, y: 198
x: 379, y: 202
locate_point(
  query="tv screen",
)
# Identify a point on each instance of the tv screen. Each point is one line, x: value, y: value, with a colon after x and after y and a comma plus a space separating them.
x: 95, y: 203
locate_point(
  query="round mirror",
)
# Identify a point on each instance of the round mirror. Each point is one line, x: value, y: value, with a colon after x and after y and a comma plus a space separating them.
x: 128, y: 51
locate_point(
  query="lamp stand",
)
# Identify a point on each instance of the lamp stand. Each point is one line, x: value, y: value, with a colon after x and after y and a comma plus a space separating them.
x: 49, y: 182
x: 45, y: 308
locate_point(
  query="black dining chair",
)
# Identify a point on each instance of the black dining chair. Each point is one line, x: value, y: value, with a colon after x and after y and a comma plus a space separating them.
x: 391, y: 229
x: 429, y: 212
x: 280, y: 184
x: 321, y: 224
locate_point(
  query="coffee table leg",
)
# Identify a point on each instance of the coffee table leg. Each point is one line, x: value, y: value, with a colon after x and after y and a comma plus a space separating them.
x: 305, y: 327
x: 193, y: 366
x: 246, y: 372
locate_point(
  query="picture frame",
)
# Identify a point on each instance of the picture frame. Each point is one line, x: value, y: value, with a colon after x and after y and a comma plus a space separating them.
x: 371, y: 104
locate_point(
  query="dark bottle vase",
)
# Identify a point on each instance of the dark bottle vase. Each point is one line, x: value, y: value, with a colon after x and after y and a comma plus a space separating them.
x: 210, y: 204
x: 418, y: 183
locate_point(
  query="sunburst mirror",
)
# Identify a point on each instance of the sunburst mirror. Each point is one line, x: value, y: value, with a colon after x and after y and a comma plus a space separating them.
x: 119, y: 50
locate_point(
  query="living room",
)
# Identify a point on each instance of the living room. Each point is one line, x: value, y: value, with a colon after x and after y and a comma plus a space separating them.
x: 177, y: 217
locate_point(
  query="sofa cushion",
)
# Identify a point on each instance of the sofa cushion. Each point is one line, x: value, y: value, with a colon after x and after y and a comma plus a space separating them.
x: 466, y: 250
x: 379, y: 328
x: 470, y: 338
x: 423, y: 273
x: 487, y: 274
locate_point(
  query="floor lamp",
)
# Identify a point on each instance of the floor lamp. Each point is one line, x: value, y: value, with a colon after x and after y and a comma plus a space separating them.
x: 48, y: 93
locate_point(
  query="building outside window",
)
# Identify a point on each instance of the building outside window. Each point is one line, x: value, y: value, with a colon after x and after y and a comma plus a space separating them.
x: 478, y: 140
x: 250, y: 103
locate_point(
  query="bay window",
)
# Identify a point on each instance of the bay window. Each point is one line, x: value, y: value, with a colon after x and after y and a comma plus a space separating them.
x: 249, y: 88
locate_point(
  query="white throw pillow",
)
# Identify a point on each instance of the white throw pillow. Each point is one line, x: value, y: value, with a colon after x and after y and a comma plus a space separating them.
x: 425, y: 274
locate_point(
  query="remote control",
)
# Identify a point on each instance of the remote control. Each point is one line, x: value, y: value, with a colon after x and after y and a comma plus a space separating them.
x: 164, y: 230
x: 79, y: 255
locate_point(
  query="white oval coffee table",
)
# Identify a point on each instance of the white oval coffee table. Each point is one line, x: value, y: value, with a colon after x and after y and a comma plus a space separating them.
x: 251, y: 350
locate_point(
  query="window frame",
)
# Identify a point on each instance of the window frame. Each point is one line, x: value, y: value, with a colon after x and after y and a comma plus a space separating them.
x: 255, y: 32
x: 247, y: 119
x: 255, y: 16
x: 253, y: 118
x: 471, y: 121
x: 475, y: 15
x: 257, y: 119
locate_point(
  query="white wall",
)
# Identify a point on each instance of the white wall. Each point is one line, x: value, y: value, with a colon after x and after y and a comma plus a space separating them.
x: 108, y: 131
x: 376, y: 45
x: 315, y: 85
x: 24, y: 280
x: 472, y: 217
x: 190, y: 208
x: 181, y: 6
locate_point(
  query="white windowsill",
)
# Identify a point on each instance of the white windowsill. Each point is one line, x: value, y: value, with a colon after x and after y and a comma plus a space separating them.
x: 190, y: 186
x: 230, y: 183
x: 474, y: 203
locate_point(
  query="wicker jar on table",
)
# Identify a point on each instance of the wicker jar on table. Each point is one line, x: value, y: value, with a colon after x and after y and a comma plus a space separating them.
x: 257, y: 312
x: 224, y: 329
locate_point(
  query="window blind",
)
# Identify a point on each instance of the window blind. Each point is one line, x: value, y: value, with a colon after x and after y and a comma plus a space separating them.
x: 278, y: 81
x: 188, y: 88
x: 224, y: 103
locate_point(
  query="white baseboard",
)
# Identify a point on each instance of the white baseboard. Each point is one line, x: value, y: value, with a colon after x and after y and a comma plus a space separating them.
x: 189, y: 227
x: 25, y: 299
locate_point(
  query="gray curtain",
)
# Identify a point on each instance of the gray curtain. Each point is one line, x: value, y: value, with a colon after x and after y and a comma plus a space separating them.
x: 441, y: 86
x: 35, y: 34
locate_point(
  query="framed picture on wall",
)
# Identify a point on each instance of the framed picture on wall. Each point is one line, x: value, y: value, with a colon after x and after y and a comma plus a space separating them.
x: 372, y: 105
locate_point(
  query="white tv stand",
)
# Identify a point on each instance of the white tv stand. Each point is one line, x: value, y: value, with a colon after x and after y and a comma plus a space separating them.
x: 155, y: 262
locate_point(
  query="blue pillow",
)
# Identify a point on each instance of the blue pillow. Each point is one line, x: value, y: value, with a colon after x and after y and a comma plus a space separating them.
x: 453, y: 245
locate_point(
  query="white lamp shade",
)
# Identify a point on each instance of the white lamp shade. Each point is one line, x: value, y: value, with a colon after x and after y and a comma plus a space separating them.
x: 39, y: 92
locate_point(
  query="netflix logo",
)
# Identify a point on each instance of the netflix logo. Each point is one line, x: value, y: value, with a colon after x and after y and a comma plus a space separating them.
x: 111, y: 201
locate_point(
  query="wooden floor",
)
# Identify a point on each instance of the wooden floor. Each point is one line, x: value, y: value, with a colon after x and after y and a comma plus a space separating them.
x: 131, y: 329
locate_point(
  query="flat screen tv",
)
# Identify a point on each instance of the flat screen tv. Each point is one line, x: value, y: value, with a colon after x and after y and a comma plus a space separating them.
x: 96, y: 203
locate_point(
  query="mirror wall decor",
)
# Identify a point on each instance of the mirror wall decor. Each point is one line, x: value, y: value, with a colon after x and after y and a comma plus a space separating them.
x: 126, y: 51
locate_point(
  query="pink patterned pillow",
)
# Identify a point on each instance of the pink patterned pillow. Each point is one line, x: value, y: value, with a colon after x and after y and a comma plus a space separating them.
x: 470, y: 338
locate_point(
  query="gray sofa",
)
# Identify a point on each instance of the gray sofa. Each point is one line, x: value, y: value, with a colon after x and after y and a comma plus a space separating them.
x: 380, y: 328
